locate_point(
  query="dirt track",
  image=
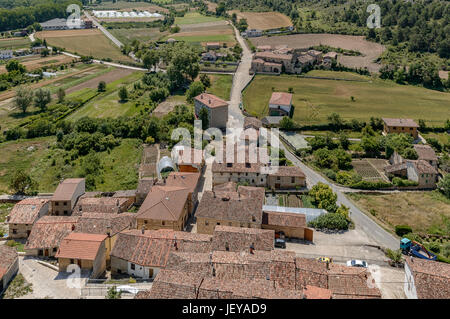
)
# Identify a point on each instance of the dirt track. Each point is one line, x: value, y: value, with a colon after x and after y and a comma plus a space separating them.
x: 370, y: 50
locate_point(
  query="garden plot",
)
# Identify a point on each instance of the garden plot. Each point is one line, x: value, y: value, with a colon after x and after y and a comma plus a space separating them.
x: 368, y: 171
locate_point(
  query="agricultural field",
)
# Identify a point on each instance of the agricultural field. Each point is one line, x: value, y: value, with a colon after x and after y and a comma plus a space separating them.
x: 425, y: 212
x: 14, y: 43
x: 37, y: 62
x: 370, y: 169
x: 76, y: 41
x: 370, y: 50
x: 107, y: 104
x: 143, y: 35
x: 263, y: 20
x: 315, y: 99
x: 127, y: 5
x: 194, y: 18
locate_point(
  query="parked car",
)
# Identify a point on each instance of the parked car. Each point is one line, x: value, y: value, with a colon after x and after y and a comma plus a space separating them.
x: 280, y: 234
x: 128, y: 289
x: 280, y: 243
x: 325, y: 260
x: 357, y: 263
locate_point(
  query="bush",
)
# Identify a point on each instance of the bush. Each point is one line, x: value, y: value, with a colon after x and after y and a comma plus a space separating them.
x: 403, y: 182
x: 330, y: 221
x: 446, y: 250
x: 330, y: 174
x: 370, y: 185
x: 402, y: 230
x: 394, y: 255
x: 435, y: 248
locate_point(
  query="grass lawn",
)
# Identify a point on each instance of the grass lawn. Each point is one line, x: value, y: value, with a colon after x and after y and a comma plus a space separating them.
x: 5, y: 209
x: 221, y: 85
x: 14, y: 43
x: 126, y: 36
x: 315, y: 99
x: 193, y: 18
x: 229, y: 38
x: 107, y: 104
x: 427, y: 212
x: 443, y: 138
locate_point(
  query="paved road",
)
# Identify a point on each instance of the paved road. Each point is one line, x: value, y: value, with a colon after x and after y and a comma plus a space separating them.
x: 235, y: 119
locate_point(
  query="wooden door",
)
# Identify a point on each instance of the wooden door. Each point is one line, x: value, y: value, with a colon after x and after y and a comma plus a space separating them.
x: 309, y: 234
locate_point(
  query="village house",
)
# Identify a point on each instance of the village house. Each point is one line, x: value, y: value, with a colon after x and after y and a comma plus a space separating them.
x: 286, y: 177
x: 6, y: 54
x: 241, y: 208
x: 188, y: 181
x: 216, y: 107
x: 398, y: 126
x: 66, y: 196
x: 329, y: 58
x: 261, y: 66
x: 38, y: 49
x: 47, y: 234
x: 187, y: 159
x: 165, y: 207
x: 306, y: 60
x: 227, y: 238
x: 285, y: 60
x: 106, y: 224
x: 129, y: 194
x: 293, y: 225
x: 108, y: 205
x: 24, y: 214
x: 88, y: 251
x: 426, y: 153
x: 280, y: 104
x: 422, y: 172
x: 317, y: 55
x: 252, y: 122
x: 143, y: 253
x: 426, y: 279
x: 262, y: 48
x: 9, y: 265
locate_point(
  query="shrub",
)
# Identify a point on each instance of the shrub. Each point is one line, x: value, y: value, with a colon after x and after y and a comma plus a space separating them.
x: 370, y: 185
x: 394, y: 255
x: 446, y: 250
x: 403, y: 182
x: 402, y: 230
x: 435, y: 248
x: 330, y: 221
x: 330, y: 174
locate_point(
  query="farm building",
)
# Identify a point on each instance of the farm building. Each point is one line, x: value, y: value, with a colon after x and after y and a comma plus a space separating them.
x: 24, y: 214
x: 280, y: 104
x: 286, y: 177
x: 293, y: 225
x: 66, y: 196
x: 398, y: 126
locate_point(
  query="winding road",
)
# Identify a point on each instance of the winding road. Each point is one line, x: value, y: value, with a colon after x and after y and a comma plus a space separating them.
x: 235, y: 119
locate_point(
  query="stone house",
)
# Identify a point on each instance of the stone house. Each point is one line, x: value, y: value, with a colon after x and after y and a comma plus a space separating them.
x: 261, y: 66
x: 143, y: 253
x: 9, y: 265
x: 47, y: 234
x: 398, y: 126
x: 286, y: 177
x: 88, y: 251
x: 216, y: 107
x: 66, y: 196
x: 188, y: 181
x: 426, y: 153
x: 24, y: 214
x: 422, y: 172
x: 241, y: 208
x: 107, y: 205
x: 165, y: 207
x: 293, y: 225
x: 227, y: 238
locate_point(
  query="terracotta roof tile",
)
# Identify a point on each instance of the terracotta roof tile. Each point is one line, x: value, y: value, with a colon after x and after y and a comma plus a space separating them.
x: 431, y: 278
x: 8, y: 256
x: 399, y: 122
x: 240, y: 239
x: 288, y: 171
x: 110, y: 205
x: 28, y: 210
x: 80, y: 246
x: 101, y: 223
x: 281, y: 98
x: 284, y: 219
x: 49, y: 231
x: 65, y: 190
x: 210, y: 100
x: 425, y: 152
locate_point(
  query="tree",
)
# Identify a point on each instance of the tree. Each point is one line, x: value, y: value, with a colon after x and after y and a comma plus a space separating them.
x: 151, y: 59
x: 22, y: 183
x: 14, y: 65
x: 61, y: 95
x: 330, y: 221
x: 113, y: 293
x: 42, y: 97
x: 336, y: 121
x: 371, y: 146
x: 23, y: 98
x: 123, y: 94
x: 444, y: 185
x: 344, y: 141
x: 101, y: 86
x: 324, y: 197
x: 204, y: 78
x: 204, y: 117
x: 287, y: 123
x: 195, y: 89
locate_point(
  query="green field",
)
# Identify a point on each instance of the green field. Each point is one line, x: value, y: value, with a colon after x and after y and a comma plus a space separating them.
x: 127, y: 36
x: 107, y: 104
x: 315, y: 99
x: 221, y: 85
x: 47, y: 165
x: 229, y: 38
x: 194, y: 18
x: 14, y: 43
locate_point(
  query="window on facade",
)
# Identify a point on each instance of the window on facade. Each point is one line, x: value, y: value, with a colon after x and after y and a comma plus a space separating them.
x: 133, y: 267
x: 247, y: 165
x: 65, y: 212
x: 72, y: 261
x: 145, y: 222
x: 227, y: 247
x: 218, y: 223
x: 14, y: 231
x: 278, y: 178
x: 56, y: 203
x: 229, y: 164
x: 206, y: 223
x: 292, y: 179
x: 163, y: 223
x: 54, y: 249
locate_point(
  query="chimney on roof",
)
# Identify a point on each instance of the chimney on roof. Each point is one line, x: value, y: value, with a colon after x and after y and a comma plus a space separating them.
x: 108, y: 231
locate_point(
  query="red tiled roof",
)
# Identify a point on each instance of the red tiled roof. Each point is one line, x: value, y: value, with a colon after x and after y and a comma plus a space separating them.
x: 152, y: 249
x: 281, y: 98
x: 312, y: 292
x: 431, y: 278
x: 164, y: 203
x: 210, y: 100
x: 8, y: 256
x: 240, y: 239
x: 423, y: 167
x: 65, y: 190
x: 284, y: 219
x: 111, y: 205
x: 183, y: 180
x: 49, y: 231
x: 101, y: 223
x: 399, y: 122
x: 80, y: 246
x: 270, y: 55
x: 27, y: 211
x: 425, y: 152
x: 288, y: 171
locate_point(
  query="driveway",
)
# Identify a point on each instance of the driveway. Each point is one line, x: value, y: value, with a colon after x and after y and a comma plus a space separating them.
x: 47, y: 283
